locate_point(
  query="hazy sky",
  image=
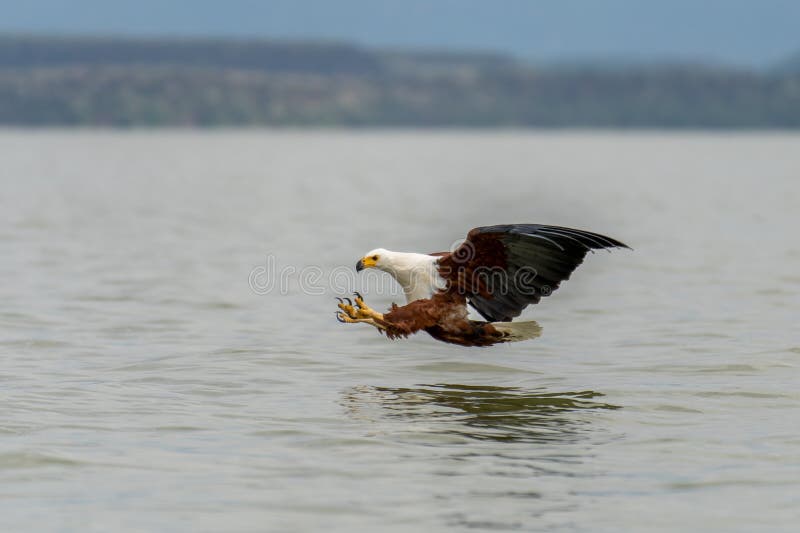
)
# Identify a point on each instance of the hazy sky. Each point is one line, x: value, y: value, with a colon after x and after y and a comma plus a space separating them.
x: 746, y: 32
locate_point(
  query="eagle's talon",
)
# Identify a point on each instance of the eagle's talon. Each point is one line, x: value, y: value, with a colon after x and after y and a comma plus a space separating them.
x: 357, y: 311
x: 360, y: 301
x: 362, y: 310
x: 347, y: 319
x: 348, y: 310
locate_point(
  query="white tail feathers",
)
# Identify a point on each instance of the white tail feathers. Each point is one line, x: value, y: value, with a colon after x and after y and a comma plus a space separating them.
x: 518, y: 331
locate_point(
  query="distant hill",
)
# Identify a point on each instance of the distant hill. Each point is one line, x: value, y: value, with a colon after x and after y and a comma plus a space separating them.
x: 206, y: 82
x: 274, y: 56
x: 317, y: 57
x: 790, y: 65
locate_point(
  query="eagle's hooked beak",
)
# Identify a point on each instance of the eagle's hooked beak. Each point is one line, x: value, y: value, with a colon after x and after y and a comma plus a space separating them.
x: 366, y: 262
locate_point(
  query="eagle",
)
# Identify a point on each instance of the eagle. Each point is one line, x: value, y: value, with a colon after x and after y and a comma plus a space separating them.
x: 497, y: 271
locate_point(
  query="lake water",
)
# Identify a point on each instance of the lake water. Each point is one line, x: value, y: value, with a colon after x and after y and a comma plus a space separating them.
x: 171, y: 360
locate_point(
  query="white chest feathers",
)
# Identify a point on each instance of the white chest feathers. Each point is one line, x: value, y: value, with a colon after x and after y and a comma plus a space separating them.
x: 416, y: 273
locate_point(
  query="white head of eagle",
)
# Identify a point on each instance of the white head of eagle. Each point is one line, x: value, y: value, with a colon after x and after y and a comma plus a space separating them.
x: 416, y: 273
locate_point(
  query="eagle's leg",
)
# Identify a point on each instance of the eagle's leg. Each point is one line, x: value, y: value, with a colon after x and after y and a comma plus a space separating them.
x: 399, y: 321
x: 364, y: 309
x: 359, y: 312
x: 341, y: 317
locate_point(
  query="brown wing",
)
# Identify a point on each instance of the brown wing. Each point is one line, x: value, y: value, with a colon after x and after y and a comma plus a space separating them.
x: 503, y: 269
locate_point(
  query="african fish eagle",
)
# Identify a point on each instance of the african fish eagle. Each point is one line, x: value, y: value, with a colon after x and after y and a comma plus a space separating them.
x: 497, y: 270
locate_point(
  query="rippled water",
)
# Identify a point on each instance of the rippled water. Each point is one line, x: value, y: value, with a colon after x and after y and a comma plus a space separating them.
x: 145, y: 385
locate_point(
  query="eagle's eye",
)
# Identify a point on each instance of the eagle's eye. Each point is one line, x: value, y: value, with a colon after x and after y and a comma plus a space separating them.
x: 374, y: 257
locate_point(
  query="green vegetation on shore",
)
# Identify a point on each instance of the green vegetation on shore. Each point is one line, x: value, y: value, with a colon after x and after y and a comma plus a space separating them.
x: 168, y: 82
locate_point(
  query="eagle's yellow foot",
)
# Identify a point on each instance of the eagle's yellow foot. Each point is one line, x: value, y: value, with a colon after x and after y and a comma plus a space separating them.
x: 343, y: 318
x: 348, y: 310
x: 360, y: 312
x: 364, y: 309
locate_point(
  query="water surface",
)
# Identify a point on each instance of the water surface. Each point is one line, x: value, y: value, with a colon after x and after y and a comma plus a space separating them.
x: 147, y: 384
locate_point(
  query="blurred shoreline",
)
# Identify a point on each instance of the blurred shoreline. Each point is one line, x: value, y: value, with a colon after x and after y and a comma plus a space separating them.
x: 125, y: 82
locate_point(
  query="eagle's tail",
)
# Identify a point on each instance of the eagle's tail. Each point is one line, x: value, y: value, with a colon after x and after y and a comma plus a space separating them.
x: 518, y: 331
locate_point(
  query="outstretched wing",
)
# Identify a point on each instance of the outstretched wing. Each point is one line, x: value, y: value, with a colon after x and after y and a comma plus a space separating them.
x: 503, y: 269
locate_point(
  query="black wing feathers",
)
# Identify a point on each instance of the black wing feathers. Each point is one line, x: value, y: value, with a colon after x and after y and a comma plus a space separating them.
x: 537, y: 258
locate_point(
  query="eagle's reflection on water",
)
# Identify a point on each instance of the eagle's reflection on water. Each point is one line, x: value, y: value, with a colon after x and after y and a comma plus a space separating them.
x: 478, y: 412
